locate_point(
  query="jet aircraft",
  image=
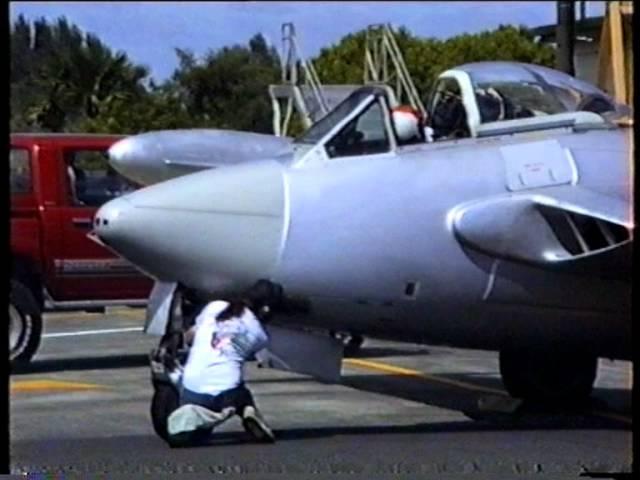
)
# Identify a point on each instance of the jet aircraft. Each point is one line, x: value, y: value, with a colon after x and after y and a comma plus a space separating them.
x: 510, y: 231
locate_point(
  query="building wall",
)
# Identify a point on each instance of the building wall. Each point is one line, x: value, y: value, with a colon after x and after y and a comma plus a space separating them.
x: 586, y: 61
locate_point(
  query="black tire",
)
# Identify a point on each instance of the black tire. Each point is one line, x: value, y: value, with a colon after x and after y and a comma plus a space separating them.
x: 165, y: 400
x: 547, y: 376
x: 25, y: 328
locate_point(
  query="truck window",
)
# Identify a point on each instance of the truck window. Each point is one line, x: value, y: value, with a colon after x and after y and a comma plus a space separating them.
x: 20, y: 170
x: 92, y: 181
x: 364, y: 135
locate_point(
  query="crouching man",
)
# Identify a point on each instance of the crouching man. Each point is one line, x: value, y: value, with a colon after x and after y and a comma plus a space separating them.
x: 225, y: 335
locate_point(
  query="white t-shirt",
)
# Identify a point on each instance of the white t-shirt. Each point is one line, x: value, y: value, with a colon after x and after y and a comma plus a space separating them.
x: 220, y: 349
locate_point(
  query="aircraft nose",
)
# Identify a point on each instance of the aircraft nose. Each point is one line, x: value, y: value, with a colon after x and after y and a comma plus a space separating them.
x: 109, y: 219
x: 213, y: 229
x: 106, y: 218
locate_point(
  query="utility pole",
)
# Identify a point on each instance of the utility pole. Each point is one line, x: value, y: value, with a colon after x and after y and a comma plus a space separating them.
x: 565, y: 36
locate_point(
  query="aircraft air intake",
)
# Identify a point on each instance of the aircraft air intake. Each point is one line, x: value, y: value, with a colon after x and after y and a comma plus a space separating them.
x: 580, y: 234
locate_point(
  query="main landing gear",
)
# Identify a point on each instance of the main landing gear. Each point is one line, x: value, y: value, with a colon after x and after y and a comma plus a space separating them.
x: 548, y: 375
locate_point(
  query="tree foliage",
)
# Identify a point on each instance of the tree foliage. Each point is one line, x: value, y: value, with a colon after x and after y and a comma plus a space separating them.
x: 228, y: 88
x: 426, y: 58
x: 62, y: 79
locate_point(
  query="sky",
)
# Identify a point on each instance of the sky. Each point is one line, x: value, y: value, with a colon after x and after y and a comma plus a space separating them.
x: 149, y: 31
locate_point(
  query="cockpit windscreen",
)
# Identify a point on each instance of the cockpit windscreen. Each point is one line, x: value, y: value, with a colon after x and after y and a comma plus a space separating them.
x: 323, y: 126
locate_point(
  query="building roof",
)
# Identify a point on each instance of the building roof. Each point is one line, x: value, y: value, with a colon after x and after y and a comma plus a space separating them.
x: 589, y: 27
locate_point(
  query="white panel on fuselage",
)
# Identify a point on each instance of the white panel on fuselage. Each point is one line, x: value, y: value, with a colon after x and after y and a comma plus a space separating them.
x: 536, y: 164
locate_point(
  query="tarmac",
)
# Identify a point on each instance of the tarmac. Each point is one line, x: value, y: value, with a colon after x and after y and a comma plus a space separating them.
x: 401, y: 411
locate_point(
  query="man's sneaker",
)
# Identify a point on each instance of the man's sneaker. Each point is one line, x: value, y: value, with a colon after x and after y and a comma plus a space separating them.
x: 256, y: 426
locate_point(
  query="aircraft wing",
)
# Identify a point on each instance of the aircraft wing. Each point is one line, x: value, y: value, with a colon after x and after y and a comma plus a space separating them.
x: 588, y: 233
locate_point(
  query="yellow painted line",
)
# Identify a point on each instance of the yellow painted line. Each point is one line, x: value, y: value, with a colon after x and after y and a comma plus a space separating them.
x: 386, y: 368
x: 52, y: 386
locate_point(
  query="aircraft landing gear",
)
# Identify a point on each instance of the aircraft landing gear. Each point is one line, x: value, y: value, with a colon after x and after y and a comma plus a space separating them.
x: 352, y: 342
x: 167, y: 360
x: 547, y: 375
x: 164, y: 401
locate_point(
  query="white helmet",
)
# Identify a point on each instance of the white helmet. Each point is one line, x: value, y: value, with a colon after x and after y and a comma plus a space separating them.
x: 407, y: 122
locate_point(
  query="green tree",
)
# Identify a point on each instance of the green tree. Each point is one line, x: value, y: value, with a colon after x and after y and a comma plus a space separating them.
x: 228, y: 88
x: 61, y: 77
x: 64, y: 80
x: 426, y: 58
x: 159, y: 109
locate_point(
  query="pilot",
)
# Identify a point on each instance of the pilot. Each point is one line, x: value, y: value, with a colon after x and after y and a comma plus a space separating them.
x: 224, y: 337
x: 491, y: 105
x: 409, y: 126
x: 494, y: 106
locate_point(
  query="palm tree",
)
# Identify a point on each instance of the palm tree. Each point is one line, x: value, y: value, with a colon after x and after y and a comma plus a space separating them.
x: 77, y: 76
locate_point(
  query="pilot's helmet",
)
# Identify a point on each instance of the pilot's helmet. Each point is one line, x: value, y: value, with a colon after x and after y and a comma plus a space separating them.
x: 407, y: 122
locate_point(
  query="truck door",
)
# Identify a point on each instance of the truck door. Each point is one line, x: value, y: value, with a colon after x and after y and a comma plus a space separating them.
x: 87, y: 270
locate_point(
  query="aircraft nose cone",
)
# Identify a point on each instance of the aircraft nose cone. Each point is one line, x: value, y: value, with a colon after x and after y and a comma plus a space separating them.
x: 108, y: 220
x: 214, y: 229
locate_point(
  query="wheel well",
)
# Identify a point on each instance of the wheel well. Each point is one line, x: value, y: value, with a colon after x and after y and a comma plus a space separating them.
x: 23, y: 270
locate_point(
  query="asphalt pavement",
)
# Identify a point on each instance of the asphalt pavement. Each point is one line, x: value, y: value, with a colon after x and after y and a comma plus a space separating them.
x: 401, y: 410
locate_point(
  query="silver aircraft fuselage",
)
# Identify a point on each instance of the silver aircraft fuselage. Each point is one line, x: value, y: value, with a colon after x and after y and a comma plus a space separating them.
x: 375, y: 243
x: 519, y: 235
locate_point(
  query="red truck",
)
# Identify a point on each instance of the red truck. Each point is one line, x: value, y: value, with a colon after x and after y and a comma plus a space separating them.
x: 57, y: 182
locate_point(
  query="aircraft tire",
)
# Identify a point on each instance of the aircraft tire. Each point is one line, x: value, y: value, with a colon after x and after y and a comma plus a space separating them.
x: 25, y: 324
x: 164, y: 401
x: 546, y: 376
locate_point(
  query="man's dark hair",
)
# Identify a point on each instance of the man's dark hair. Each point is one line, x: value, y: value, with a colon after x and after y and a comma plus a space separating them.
x: 261, y: 294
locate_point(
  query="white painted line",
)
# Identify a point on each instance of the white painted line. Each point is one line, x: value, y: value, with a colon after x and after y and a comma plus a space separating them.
x: 92, y: 332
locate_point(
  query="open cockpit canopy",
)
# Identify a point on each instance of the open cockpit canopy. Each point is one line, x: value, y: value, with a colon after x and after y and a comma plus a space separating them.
x: 510, y: 90
x: 472, y: 100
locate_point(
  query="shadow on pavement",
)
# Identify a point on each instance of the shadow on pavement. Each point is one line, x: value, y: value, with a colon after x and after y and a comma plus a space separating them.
x: 83, y: 363
x: 519, y: 416
x: 373, y: 352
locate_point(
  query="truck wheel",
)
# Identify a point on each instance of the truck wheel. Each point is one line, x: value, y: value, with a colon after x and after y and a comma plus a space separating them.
x: 25, y: 324
x: 165, y: 400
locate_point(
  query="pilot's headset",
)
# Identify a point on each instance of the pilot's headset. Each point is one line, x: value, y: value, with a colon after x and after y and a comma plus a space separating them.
x: 407, y: 123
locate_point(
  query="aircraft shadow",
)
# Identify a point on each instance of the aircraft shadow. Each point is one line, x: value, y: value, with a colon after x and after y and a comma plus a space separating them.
x: 373, y: 352
x: 140, y: 360
x: 82, y: 363
x: 477, y: 404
